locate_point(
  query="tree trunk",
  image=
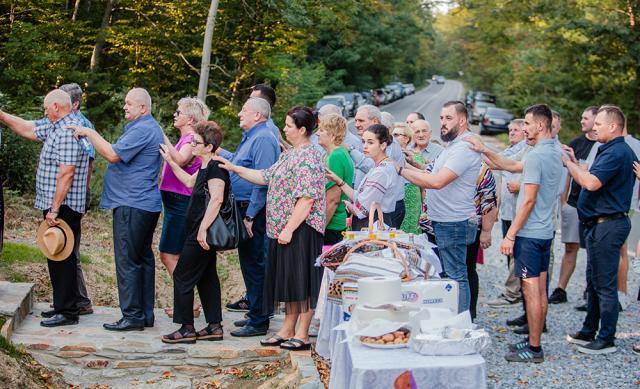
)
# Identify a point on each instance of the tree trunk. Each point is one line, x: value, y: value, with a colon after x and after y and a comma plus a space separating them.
x: 97, y: 49
x: 75, y: 10
x: 206, y: 51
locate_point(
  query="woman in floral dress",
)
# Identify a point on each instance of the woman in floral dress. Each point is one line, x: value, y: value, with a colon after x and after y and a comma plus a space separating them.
x: 295, y: 213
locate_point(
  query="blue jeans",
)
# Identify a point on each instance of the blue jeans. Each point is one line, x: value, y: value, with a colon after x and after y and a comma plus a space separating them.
x: 252, y: 263
x: 603, y: 243
x: 452, y: 239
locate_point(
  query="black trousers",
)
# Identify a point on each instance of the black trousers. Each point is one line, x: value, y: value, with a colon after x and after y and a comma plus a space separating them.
x: 474, y: 283
x: 63, y: 274
x: 196, y: 268
x: 135, y: 264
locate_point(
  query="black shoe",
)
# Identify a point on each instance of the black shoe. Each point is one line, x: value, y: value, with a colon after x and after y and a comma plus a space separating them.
x: 85, y: 310
x: 240, y: 323
x: 579, y: 338
x: 148, y: 324
x: 48, y: 314
x: 123, y: 325
x: 598, y: 347
x: 248, y: 331
x: 241, y: 305
x: 524, y: 330
x: 582, y: 308
x: 518, y: 321
x: 558, y: 296
x: 58, y: 320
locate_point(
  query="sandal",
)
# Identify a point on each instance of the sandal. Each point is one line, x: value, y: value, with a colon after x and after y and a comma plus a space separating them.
x: 279, y: 340
x: 295, y: 344
x: 182, y: 335
x: 212, y: 332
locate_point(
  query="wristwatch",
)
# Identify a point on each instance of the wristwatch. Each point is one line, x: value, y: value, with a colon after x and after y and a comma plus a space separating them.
x: 249, y: 219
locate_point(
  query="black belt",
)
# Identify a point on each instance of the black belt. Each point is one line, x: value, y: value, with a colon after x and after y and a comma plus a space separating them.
x: 601, y: 219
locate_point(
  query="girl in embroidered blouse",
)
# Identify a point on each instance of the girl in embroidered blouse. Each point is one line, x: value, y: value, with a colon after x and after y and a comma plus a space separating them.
x: 376, y: 184
x: 295, y: 212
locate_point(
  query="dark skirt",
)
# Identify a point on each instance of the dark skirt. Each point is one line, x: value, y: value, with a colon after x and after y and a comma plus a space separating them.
x: 291, y: 275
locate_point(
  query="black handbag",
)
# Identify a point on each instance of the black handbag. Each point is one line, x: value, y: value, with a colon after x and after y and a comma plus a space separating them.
x: 227, y: 229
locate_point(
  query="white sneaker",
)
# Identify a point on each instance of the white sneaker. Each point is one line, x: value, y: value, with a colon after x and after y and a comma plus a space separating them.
x: 623, y: 299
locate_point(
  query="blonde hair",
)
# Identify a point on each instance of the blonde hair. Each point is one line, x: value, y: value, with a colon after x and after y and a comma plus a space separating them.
x: 408, y: 131
x: 335, y: 125
x: 194, y: 108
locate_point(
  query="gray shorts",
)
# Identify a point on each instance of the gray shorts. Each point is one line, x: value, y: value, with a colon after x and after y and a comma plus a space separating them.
x: 570, y: 226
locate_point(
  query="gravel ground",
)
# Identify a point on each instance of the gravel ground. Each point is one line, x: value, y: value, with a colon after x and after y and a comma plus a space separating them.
x: 563, y: 365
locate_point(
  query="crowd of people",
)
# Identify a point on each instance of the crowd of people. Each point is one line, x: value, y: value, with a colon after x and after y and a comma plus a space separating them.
x: 298, y: 192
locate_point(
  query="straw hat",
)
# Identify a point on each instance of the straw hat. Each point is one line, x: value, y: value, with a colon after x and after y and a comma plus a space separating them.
x: 56, y: 243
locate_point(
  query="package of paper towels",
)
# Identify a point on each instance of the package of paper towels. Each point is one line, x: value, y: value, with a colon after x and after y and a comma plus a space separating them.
x: 435, y: 293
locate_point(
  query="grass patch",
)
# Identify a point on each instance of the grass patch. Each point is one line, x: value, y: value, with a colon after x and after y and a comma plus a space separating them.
x: 23, y: 253
x: 6, y: 346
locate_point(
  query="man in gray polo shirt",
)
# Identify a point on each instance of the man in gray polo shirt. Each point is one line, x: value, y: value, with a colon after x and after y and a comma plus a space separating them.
x: 531, y: 232
x: 451, y: 189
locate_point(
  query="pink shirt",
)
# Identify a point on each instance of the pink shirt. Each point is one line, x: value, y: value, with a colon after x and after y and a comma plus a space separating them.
x: 171, y: 183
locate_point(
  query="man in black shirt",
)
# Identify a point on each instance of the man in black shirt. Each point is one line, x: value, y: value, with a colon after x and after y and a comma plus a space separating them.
x: 603, y: 204
x: 570, y: 234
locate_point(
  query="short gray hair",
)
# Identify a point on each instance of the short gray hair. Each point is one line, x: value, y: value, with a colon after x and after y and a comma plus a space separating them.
x: 59, y: 97
x: 194, y: 108
x: 259, y: 105
x: 74, y: 91
x: 142, y: 96
x: 329, y: 109
x: 372, y: 112
x: 387, y: 120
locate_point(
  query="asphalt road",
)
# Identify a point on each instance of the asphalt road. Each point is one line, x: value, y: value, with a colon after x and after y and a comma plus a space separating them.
x: 427, y: 101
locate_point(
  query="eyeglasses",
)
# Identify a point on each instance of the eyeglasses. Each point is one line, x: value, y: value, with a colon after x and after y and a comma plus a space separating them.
x: 177, y: 112
x: 194, y: 143
x: 396, y: 134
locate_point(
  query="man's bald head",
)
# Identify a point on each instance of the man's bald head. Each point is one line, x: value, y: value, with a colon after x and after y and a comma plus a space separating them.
x: 57, y: 104
x: 137, y: 104
x: 421, y: 133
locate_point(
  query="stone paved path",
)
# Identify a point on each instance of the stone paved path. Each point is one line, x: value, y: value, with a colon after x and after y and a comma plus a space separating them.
x: 88, y: 354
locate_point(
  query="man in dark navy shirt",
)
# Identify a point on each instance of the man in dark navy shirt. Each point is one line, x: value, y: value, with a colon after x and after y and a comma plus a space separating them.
x: 603, y: 204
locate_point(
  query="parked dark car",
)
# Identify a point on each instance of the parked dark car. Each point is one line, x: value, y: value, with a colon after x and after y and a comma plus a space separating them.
x: 470, y: 98
x: 340, y: 101
x: 368, y: 96
x: 479, y: 108
x: 485, y: 96
x: 495, y: 120
x: 397, y: 91
x: 402, y: 89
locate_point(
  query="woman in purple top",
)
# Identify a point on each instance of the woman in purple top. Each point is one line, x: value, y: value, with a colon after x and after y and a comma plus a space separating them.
x: 175, y: 195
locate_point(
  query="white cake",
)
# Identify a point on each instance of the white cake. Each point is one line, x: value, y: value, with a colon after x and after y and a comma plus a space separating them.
x: 364, y: 315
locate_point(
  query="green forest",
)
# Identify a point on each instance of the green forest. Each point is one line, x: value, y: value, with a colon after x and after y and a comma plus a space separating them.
x: 569, y: 54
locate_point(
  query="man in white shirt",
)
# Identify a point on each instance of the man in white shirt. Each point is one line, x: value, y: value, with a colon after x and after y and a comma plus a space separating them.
x: 451, y: 189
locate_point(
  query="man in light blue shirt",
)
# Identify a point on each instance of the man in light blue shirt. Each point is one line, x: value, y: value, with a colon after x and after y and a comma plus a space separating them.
x: 258, y: 150
x: 131, y: 191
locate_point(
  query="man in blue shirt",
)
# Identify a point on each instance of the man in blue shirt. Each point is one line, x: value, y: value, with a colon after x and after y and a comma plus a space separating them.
x: 258, y: 149
x: 603, y: 203
x: 131, y: 190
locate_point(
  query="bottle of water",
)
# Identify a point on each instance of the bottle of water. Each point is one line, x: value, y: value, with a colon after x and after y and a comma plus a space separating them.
x: 86, y: 145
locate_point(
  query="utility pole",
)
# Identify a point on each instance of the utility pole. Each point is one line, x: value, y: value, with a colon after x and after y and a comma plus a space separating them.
x: 206, y: 51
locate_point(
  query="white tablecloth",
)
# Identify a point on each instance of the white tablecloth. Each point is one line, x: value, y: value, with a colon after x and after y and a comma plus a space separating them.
x: 355, y: 366
x: 327, y: 338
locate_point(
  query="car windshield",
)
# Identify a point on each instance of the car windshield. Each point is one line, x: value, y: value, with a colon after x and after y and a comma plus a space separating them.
x: 347, y: 96
x: 329, y: 101
x: 498, y: 112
